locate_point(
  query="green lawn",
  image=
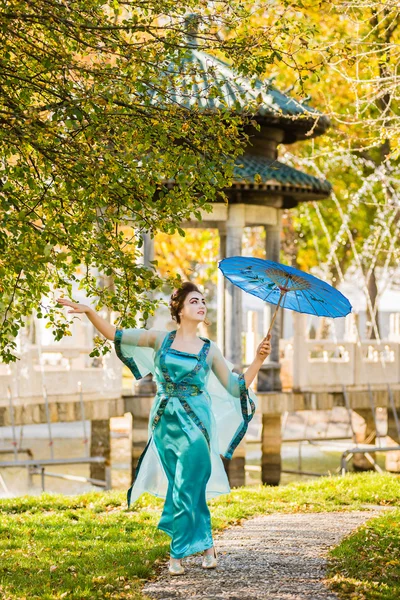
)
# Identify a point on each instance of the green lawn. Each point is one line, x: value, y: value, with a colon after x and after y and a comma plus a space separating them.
x: 91, y: 546
x: 366, y: 565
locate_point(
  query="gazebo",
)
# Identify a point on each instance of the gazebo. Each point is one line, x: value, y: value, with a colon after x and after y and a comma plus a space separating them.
x: 263, y: 186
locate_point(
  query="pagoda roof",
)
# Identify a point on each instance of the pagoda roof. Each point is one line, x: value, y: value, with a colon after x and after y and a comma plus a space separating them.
x: 263, y: 174
x: 208, y: 83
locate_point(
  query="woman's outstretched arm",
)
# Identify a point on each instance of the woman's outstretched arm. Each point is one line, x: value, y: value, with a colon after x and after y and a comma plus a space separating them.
x: 103, y: 326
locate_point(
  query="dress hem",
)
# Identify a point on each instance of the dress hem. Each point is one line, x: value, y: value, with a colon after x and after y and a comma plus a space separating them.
x: 200, y: 547
x: 203, y: 547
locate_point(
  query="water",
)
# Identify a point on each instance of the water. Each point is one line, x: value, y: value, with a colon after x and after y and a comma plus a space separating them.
x: 312, y: 424
x: 68, y: 442
x: 312, y: 460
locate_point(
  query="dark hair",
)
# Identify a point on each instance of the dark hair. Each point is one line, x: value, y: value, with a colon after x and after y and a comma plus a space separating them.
x: 178, y: 297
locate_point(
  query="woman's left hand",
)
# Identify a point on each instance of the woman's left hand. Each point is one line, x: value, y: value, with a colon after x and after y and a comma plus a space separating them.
x: 264, y: 349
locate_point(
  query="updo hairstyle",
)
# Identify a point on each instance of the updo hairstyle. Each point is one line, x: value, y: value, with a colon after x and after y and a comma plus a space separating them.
x: 178, y: 298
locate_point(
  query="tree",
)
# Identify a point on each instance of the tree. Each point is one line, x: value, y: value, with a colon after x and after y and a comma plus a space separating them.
x: 91, y: 139
x: 357, y: 47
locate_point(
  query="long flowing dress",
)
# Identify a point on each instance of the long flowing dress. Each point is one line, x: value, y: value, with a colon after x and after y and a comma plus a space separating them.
x: 200, y: 412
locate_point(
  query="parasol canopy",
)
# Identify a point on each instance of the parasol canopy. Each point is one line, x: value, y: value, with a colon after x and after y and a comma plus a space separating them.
x: 285, y: 286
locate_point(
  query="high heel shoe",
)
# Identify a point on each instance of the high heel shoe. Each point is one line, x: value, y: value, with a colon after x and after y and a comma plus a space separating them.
x: 175, y: 567
x: 210, y: 560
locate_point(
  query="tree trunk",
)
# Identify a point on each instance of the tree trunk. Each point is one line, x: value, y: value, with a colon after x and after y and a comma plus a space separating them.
x: 373, y: 326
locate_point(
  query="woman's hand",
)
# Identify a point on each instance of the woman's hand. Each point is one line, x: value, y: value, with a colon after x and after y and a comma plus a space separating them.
x: 264, y: 349
x: 102, y: 325
x: 77, y: 308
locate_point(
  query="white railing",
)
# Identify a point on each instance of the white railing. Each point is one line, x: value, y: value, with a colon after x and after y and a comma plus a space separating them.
x: 59, y: 371
x: 318, y: 364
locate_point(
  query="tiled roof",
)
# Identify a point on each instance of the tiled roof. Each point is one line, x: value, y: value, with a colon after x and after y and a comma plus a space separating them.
x: 209, y: 83
x: 258, y: 172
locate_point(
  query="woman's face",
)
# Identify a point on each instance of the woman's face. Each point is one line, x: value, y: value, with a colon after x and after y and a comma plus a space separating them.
x: 194, y: 307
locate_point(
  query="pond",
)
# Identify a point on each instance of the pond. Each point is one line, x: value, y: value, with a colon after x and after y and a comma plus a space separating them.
x: 68, y: 442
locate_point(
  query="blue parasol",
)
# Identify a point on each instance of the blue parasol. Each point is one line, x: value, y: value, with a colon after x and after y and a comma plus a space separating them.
x: 285, y: 286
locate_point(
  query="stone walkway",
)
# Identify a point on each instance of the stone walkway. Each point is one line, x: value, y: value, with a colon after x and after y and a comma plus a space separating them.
x: 279, y: 557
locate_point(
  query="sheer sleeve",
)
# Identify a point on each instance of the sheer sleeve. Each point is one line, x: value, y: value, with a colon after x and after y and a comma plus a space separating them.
x: 137, y: 347
x: 233, y: 404
x: 231, y: 381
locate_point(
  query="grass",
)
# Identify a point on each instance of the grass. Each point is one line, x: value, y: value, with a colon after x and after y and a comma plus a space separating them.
x: 91, y: 546
x: 366, y: 565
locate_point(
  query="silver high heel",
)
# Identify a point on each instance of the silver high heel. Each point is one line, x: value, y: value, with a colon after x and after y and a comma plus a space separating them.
x: 210, y: 560
x: 175, y: 567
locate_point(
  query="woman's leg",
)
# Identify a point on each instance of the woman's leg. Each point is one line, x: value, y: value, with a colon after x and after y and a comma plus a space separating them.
x: 186, y: 459
x: 191, y: 515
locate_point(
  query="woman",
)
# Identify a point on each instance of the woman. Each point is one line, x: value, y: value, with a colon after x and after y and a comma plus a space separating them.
x: 201, y: 411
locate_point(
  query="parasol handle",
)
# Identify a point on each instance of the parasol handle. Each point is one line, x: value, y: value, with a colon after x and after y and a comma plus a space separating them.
x: 275, y: 313
x: 283, y: 292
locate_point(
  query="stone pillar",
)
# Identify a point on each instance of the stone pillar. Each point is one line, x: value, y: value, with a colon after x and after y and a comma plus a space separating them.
x: 233, y: 326
x: 233, y: 295
x: 148, y: 249
x: 139, y: 407
x: 251, y: 336
x: 269, y: 375
x: 271, y: 441
x: 365, y: 434
x: 146, y: 385
x: 100, y: 445
x: 392, y: 462
x: 235, y: 468
x: 300, y: 351
x: 139, y: 440
x: 221, y: 291
x: 264, y: 141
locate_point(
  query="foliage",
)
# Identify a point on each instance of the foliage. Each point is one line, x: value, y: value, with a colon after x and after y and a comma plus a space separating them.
x: 356, y: 46
x: 87, y: 153
x: 366, y: 565
x: 340, y: 63
x: 194, y: 257
x: 350, y: 66
x: 91, y: 135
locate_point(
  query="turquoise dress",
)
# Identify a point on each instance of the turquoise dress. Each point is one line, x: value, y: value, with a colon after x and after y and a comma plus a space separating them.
x: 200, y: 412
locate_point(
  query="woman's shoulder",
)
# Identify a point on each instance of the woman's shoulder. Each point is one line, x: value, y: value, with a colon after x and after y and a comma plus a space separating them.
x: 214, y: 348
x: 158, y: 334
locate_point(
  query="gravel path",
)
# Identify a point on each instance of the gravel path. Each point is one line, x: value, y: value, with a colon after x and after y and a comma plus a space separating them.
x: 278, y: 556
